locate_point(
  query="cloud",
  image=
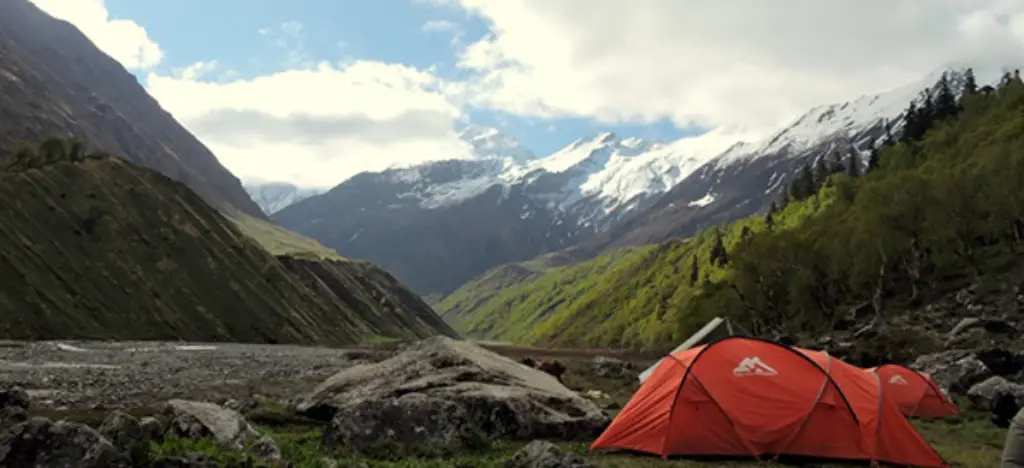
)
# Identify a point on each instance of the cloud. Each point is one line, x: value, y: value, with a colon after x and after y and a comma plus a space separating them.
x: 317, y: 126
x: 439, y: 26
x: 750, y: 63
x: 124, y: 40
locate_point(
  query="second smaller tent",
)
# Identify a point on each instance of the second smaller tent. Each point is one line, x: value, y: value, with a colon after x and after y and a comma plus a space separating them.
x: 915, y: 393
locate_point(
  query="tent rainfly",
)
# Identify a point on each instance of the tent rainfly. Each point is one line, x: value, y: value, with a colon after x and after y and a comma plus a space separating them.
x: 745, y: 397
x: 716, y: 329
x: 915, y: 393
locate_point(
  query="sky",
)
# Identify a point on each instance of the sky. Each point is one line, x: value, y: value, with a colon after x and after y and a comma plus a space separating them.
x: 314, y: 91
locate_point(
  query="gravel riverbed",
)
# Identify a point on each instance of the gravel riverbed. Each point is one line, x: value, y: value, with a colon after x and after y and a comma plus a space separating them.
x: 106, y: 375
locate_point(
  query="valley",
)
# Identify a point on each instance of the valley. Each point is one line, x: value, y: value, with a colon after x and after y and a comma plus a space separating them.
x: 496, y: 309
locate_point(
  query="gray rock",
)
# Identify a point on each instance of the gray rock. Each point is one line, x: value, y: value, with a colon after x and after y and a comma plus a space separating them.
x: 611, y: 368
x: 121, y: 429
x: 265, y: 448
x: 14, y: 398
x: 41, y: 443
x: 964, y: 324
x: 982, y: 394
x: 152, y: 428
x: 955, y: 371
x: 441, y: 393
x: 198, y: 420
x: 541, y: 454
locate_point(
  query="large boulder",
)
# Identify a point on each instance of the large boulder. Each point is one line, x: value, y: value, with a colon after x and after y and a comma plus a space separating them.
x: 955, y: 371
x: 612, y: 368
x: 203, y: 420
x: 41, y: 443
x: 122, y: 430
x: 14, y: 404
x: 984, y: 393
x: 441, y: 393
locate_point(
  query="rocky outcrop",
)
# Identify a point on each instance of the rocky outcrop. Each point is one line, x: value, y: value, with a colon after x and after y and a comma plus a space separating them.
x: 41, y: 443
x: 202, y: 420
x: 443, y: 393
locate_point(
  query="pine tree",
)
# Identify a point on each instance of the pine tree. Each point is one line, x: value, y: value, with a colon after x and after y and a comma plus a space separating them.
x: 873, y: 160
x: 912, y: 124
x: 769, y: 218
x: 945, y: 101
x: 746, y: 234
x: 719, y: 256
x: 836, y: 165
x: 694, y: 271
x: 970, y: 83
x: 821, y: 172
x: 853, y: 164
x: 1005, y: 80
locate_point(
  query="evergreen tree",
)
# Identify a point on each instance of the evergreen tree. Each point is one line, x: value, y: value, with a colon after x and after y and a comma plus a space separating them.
x: 719, y: 256
x: 746, y: 234
x: 889, y: 140
x: 873, y: 160
x: 970, y: 83
x: 836, y: 165
x: 1005, y: 80
x: 694, y: 271
x: 802, y: 186
x: 853, y: 164
x: 945, y: 101
x: 769, y: 218
x: 912, y: 124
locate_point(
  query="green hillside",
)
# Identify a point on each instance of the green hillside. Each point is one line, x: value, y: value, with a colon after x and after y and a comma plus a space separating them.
x: 93, y: 246
x: 944, y: 202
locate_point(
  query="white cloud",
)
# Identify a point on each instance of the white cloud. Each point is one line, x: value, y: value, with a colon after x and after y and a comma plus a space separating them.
x: 316, y: 126
x: 439, y: 26
x: 752, y: 63
x: 124, y: 40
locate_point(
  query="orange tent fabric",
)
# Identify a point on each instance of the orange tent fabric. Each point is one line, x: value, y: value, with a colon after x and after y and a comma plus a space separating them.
x: 915, y: 393
x: 748, y: 397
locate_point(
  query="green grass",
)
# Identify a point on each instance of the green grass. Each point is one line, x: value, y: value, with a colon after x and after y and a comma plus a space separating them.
x: 280, y: 241
x: 102, y: 249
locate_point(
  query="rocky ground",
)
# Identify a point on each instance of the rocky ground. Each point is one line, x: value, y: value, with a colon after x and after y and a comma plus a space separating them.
x: 275, y: 403
x: 128, y: 375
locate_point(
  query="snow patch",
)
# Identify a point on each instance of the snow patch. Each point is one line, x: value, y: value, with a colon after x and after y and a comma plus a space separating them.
x: 703, y: 201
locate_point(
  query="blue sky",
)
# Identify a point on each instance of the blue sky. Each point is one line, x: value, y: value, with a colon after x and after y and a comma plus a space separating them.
x: 191, y: 31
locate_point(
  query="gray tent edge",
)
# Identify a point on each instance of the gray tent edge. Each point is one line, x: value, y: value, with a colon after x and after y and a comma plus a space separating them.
x: 731, y: 328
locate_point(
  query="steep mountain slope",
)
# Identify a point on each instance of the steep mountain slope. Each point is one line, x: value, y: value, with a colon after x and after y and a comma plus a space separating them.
x: 437, y: 225
x: 745, y: 179
x: 54, y: 81
x: 594, y: 195
x: 100, y: 248
x: 275, y: 196
x: 936, y: 215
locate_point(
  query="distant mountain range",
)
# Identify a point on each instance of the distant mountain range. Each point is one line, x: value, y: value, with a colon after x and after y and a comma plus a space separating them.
x: 439, y: 224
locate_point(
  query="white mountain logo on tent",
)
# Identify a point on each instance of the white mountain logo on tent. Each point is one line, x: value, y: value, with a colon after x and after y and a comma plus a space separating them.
x: 753, y: 366
x: 898, y: 380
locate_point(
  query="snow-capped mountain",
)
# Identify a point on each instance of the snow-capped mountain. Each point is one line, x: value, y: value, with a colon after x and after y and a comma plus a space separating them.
x: 437, y: 225
x: 274, y: 196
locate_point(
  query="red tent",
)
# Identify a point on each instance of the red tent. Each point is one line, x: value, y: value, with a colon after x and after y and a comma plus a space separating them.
x: 915, y: 393
x: 749, y: 397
